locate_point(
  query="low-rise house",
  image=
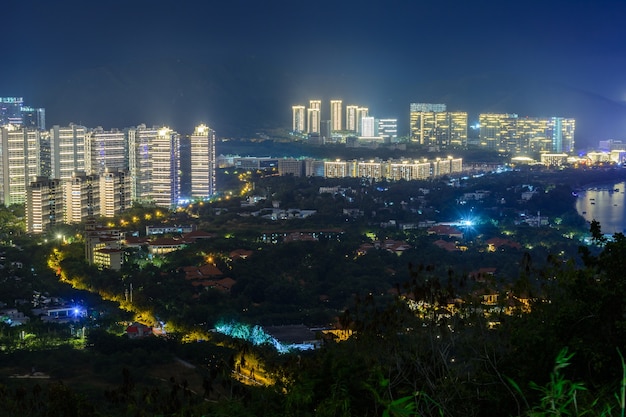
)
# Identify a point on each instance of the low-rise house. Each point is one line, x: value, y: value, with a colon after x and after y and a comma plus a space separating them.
x: 137, y: 330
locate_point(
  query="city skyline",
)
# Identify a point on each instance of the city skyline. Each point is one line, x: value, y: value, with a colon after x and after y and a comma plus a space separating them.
x: 537, y: 58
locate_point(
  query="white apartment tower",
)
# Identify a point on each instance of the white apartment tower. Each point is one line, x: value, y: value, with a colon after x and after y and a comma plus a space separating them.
x: 80, y: 197
x: 164, y: 152
x: 361, y: 112
x: 67, y: 150
x: 44, y: 204
x: 140, y: 161
x: 105, y: 149
x: 114, y: 192
x: 202, y: 162
x: 336, y: 122
x: 351, y: 118
x: 314, y: 116
x: 298, y: 120
x: 19, y: 162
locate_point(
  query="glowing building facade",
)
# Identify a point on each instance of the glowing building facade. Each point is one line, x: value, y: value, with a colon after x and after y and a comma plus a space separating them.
x: 105, y: 149
x: 20, y: 162
x: 298, y: 119
x: 314, y: 116
x: 202, y: 171
x: 81, y: 197
x: 114, y: 189
x: 44, y: 204
x: 526, y: 135
x: 437, y: 128
x: 336, y: 115
x: 67, y: 150
x: 351, y: 116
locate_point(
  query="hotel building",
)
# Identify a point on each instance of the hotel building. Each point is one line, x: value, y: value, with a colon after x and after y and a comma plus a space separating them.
x: 526, y: 135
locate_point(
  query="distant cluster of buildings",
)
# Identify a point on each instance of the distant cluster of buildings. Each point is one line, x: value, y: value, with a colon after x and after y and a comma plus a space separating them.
x: 433, y: 126
x: 375, y: 169
x: 68, y: 173
x: 356, y: 123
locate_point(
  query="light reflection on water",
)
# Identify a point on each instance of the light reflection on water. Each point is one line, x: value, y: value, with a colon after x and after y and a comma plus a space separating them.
x: 606, y: 204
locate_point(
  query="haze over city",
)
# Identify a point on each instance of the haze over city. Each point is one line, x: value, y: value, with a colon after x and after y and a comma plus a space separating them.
x: 240, y: 65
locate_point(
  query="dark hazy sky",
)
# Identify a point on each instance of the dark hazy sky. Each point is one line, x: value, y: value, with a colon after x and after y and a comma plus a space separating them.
x: 240, y: 65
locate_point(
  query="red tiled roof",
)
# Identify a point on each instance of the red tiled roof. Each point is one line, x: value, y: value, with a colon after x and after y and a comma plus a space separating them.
x: 198, y: 234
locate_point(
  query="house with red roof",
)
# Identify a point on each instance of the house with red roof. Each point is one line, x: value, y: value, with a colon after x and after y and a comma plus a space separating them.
x: 137, y: 330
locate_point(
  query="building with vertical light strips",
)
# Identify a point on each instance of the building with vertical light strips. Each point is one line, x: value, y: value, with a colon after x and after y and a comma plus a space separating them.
x: 339, y: 169
x: 526, y: 135
x: 114, y: 189
x: 202, y: 162
x: 20, y: 162
x: 361, y: 112
x: 409, y: 170
x: 44, y: 204
x: 314, y: 116
x: 336, y: 115
x: 298, y: 120
x: 351, y: 115
x: 393, y: 170
x: 437, y: 128
x: 81, y: 198
x: 165, y: 179
x: 105, y: 149
x: 67, y: 150
x: 140, y: 162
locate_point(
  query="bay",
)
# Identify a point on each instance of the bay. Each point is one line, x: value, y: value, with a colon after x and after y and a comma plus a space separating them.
x: 606, y: 204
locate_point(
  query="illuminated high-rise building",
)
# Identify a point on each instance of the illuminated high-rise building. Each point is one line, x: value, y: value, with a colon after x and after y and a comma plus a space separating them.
x: 388, y: 130
x: 499, y: 131
x: 368, y: 127
x: 314, y: 116
x: 427, y: 107
x: 526, y: 135
x: 436, y: 127
x: 202, y: 162
x: 351, y: 115
x: 20, y: 162
x: 154, y: 164
x: 140, y: 162
x: 81, y: 198
x: 67, y: 150
x: 298, y: 119
x: 165, y: 156
x: 336, y: 114
x: 361, y: 112
x: 561, y: 131
x: 114, y: 192
x: 44, y: 204
x: 105, y: 149
x: 14, y: 112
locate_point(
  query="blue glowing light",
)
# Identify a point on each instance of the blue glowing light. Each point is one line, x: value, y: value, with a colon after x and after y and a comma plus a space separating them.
x: 256, y: 335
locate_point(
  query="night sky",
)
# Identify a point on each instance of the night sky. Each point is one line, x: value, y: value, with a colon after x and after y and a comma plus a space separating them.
x: 240, y: 65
